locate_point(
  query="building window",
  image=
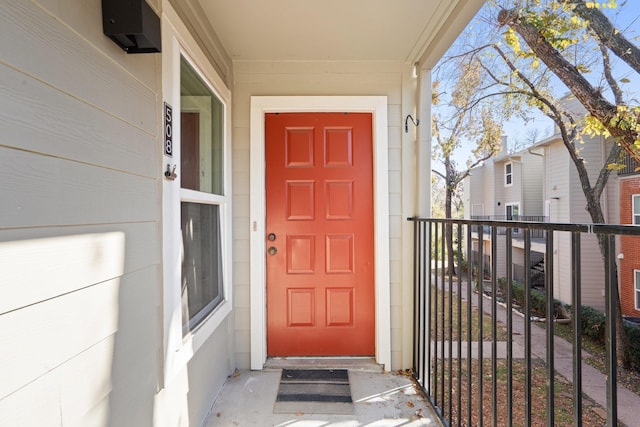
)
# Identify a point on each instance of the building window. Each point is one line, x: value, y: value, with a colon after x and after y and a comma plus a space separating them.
x: 637, y: 288
x: 202, y: 197
x: 635, y: 208
x: 508, y: 174
x: 512, y: 211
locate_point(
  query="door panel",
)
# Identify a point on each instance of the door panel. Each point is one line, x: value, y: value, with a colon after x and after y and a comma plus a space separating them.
x: 320, y: 273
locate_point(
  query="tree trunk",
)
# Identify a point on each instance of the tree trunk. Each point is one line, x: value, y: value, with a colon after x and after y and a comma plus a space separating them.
x: 449, y: 189
x: 622, y: 341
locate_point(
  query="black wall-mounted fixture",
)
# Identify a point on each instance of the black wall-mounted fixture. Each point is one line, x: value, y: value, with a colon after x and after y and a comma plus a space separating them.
x: 132, y: 25
x: 415, y: 122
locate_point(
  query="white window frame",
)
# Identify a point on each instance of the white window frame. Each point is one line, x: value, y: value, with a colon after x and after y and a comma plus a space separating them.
x: 636, y: 288
x: 634, y: 215
x: 508, y: 175
x: 177, y: 42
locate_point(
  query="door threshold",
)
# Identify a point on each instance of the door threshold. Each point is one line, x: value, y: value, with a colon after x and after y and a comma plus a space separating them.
x: 359, y: 364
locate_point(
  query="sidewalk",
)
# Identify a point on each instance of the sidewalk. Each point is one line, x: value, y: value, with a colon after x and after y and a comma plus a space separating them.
x: 593, y: 381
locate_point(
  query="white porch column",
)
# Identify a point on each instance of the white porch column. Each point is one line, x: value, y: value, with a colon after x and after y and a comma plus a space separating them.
x: 416, y: 190
x: 417, y: 202
x: 423, y: 145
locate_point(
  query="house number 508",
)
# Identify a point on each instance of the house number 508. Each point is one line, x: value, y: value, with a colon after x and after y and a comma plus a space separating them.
x: 168, y: 130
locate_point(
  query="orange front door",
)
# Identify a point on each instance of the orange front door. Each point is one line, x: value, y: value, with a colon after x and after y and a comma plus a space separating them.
x: 320, y: 273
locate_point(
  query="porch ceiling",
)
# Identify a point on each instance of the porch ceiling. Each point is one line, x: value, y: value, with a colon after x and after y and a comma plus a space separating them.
x: 337, y: 30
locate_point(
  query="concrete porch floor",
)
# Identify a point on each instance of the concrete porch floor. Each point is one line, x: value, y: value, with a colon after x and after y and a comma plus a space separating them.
x: 381, y: 399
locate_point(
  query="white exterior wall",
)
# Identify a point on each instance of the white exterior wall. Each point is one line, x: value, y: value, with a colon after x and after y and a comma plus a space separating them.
x: 557, y: 176
x: 501, y: 256
x: 488, y: 190
x: 593, y: 151
x: 499, y: 190
x: 475, y: 192
x: 563, y: 182
x: 557, y: 185
x: 81, y: 231
x: 532, y: 177
x: 80, y: 260
x: 393, y: 80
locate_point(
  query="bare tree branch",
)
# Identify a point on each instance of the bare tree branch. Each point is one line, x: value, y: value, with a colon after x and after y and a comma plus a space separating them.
x: 439, y: 174
x: 613, y: 84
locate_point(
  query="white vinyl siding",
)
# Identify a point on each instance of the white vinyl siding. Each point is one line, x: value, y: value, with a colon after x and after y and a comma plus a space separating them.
x: 477, y: 210
x: 532, y: 188
x: 79, y: 242
x: 567, y: 204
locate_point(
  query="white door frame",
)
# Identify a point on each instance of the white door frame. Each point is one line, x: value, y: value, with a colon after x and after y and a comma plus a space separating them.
x: 377, y: 105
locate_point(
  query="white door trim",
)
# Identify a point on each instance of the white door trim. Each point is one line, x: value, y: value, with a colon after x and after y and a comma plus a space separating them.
x: 377, y: 105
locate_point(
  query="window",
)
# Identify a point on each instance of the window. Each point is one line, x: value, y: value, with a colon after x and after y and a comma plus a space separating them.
x: 201, y: 197
x: 508, y: 174
x: 637, y: 288
x: 635, y: 209
x: 512, y: 211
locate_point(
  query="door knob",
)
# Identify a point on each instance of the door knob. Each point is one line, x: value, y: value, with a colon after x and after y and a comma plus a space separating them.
x: 272, y: 250
x: 271, y: 237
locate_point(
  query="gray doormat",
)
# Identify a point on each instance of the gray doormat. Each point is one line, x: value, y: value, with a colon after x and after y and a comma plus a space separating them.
x: 314, y: 391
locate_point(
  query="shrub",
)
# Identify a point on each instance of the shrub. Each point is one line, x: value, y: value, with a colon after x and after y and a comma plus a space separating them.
x: 633, y: 336
x: 502, y: 285
x: 538, y: 298
x: 593, y: 322
x: 517, y: 290
x: 463, y: 266
x: 538, y: 302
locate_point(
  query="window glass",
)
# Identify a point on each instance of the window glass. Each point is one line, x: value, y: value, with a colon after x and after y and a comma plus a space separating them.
x: 202, y: 115
x: 201, y: 262
x: 637, y: 282
x: 507, y: 174
x: 636, y: 209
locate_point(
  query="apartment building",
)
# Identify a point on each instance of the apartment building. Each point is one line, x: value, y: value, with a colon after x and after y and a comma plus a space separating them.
x: 542, y: 181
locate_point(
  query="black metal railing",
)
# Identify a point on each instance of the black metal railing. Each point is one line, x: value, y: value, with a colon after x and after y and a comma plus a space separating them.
x: 466, y: 359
